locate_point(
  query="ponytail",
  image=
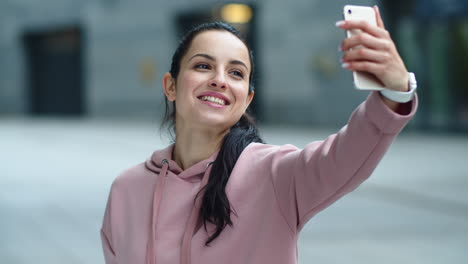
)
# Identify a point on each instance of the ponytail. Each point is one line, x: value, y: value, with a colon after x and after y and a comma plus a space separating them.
x: 215, y: 207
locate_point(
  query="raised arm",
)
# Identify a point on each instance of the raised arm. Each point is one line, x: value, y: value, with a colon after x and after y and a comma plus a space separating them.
x: 310, y: 179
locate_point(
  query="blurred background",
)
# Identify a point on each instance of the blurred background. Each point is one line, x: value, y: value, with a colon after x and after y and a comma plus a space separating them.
x: 81, y: 100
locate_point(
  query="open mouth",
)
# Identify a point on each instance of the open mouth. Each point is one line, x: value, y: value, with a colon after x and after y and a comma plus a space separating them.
x: 213, y: 99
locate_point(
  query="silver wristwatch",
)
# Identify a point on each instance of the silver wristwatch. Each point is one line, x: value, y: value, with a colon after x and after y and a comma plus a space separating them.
x: 402, y: 97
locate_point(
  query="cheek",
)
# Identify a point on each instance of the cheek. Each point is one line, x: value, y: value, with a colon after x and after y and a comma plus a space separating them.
x: 242, y: 94
x: 186, y: 85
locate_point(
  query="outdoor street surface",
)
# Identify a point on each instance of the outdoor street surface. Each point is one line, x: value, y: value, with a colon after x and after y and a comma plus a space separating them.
x: 56, y: 173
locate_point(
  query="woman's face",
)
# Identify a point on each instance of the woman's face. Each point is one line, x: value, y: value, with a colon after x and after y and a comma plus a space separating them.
x: 211, y: 89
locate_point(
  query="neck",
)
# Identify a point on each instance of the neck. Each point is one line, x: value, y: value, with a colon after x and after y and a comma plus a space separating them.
x: 194, y: 145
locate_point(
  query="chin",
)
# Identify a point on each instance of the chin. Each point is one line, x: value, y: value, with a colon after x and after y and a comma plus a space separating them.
x: 216, y: 121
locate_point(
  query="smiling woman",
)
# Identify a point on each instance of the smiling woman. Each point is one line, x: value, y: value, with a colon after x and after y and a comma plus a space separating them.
x: 218, y: 63
x: 218, y: 193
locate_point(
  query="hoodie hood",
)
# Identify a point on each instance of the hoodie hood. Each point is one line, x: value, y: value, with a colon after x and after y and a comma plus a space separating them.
x: 192, y: 174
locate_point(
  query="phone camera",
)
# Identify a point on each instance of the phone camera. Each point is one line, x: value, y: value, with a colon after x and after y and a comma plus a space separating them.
x: 349, y: 11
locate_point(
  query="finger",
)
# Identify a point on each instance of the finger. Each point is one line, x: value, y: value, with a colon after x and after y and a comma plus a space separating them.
x: 378, y: 17
x: 366, y: 40
x: 364, y: 26
x: 365, y: 66
x: 365, y: 54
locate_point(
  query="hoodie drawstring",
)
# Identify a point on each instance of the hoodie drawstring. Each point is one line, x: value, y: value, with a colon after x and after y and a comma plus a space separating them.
x: 157, y: 196
x: 192, y: 223
x: 185, y: 252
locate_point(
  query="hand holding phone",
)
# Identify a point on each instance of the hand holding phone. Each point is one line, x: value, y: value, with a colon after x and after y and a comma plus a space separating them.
x: 362, y: 80
x: 370, y: 52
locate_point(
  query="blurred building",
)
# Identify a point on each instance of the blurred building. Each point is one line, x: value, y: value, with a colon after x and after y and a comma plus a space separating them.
x: 100, y: 58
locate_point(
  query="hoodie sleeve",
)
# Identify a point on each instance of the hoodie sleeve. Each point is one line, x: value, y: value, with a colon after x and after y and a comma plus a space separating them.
x: 308, y: 180
x: 106, y: 234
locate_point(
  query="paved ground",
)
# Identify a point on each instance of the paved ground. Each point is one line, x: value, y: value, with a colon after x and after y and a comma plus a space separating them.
x: 55, y: 177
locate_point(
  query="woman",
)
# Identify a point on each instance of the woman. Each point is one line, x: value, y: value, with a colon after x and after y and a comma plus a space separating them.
x: 218, y: 194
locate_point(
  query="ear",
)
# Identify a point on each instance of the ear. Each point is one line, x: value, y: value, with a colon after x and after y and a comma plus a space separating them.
x: 249, y: 99
x: 169, y: 87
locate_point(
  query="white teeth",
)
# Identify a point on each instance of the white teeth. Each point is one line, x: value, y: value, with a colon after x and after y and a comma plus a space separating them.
x: 213, y: 99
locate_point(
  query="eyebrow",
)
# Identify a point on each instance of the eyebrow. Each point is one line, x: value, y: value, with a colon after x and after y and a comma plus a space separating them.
x: 209, y: 57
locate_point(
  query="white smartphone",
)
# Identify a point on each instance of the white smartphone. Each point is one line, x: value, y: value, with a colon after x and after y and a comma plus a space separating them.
x: 362, y: 80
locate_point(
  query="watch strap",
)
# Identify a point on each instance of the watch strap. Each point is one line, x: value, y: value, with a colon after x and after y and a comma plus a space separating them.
x: 402, y: 97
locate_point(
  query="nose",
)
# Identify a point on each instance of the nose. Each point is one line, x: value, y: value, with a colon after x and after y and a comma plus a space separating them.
x: 218, y: 81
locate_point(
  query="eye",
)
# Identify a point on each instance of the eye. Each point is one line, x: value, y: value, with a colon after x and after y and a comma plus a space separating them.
x: 203, y: 66
x: 238, y: 74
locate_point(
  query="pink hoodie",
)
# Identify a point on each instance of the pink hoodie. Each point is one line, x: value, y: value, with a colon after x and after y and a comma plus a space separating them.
x: 274, y: 190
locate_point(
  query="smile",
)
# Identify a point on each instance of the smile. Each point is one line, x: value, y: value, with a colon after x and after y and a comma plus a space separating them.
x: 213, y: 100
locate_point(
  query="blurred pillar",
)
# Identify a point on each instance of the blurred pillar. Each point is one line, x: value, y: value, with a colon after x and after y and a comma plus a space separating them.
x: 439, y: 41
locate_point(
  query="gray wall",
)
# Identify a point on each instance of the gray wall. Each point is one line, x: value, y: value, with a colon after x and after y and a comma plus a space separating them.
x: 302, y: 82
